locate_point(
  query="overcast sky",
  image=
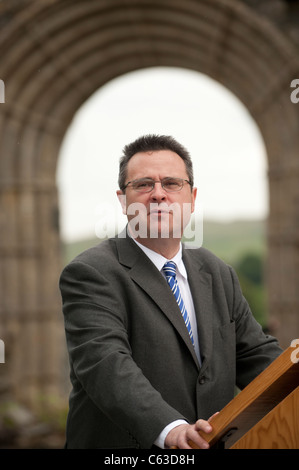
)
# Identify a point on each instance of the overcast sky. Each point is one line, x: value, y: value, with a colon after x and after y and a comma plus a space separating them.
x: 228, y: 153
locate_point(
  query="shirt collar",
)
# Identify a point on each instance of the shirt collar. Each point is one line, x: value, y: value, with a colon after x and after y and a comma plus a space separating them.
x: 160, y: 260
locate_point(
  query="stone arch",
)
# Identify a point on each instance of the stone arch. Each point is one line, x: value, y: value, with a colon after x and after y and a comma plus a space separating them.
x: 54, y: 55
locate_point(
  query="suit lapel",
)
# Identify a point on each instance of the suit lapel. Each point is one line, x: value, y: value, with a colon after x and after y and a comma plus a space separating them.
x: 200, y: 283
x: 146, y: 275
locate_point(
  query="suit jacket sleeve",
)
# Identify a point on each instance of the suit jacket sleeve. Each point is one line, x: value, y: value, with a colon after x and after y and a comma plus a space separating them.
x: 101, y: 358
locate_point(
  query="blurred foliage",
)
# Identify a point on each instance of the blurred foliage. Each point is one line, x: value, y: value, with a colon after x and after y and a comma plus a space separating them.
x: 242, y: 244
x: 250, y: 269
x: 22, y: 427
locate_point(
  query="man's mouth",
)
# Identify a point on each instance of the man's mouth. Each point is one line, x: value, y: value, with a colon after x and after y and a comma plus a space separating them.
x: 158, y: 210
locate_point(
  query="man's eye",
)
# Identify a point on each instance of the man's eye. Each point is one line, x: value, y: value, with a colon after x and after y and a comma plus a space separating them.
x: 142, y: 185
x: 171, y: 184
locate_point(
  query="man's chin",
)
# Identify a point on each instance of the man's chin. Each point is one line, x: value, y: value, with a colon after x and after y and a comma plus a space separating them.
x: 155, y: 228
x: 161, y: 231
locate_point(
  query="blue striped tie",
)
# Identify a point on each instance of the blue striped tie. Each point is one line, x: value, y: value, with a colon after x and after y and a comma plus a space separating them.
x: 169, y: 269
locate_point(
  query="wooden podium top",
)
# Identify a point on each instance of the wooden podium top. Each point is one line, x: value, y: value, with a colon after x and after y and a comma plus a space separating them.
x: 256, y: 400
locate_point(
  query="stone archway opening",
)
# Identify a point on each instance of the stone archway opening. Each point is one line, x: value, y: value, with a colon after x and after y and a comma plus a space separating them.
x: 230, y: 166
x: 229, y: 158
x: 230, y: 162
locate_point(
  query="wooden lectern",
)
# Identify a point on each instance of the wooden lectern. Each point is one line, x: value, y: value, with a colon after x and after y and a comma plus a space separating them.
x: 265, y: 414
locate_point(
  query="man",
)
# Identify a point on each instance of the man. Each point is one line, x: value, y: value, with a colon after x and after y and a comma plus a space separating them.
x: 155, y: 351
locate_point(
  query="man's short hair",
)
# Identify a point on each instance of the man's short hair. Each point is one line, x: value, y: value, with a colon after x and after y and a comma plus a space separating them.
x: 149, y: 143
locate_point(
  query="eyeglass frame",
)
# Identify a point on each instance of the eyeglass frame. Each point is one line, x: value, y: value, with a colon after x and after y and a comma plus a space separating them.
x: 183, y: 181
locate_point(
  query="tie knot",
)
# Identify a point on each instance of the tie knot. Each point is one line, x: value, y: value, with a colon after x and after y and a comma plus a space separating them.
x: 169, y: 269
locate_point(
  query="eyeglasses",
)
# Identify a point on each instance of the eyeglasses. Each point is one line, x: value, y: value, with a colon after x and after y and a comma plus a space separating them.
x: 146, y: 185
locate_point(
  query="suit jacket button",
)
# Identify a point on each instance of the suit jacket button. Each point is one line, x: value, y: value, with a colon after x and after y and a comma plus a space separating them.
x: 202, y: 380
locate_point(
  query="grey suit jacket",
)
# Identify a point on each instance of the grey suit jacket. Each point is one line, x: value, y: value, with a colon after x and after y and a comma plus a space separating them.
x: 133, y: 366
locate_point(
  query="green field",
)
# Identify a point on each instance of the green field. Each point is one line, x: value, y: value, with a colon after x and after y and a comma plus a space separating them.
x: 231, y: 241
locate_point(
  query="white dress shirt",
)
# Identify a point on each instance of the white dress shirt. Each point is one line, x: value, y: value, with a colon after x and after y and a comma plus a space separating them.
x: 182, y: 279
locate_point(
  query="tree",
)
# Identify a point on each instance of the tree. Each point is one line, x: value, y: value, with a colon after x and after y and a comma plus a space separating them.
x: 250, y: 269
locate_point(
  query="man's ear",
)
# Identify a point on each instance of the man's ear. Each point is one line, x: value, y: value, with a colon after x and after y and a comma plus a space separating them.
x: 193, y: 198
x: 122, y: 199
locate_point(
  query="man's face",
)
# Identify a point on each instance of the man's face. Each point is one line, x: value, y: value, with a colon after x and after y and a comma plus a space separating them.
x: 165, y: 214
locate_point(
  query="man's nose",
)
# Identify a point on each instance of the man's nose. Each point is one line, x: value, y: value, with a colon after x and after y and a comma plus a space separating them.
x: 158, y: 193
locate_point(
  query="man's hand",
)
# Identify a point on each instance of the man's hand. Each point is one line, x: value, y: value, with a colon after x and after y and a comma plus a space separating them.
x: 180, y: 435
